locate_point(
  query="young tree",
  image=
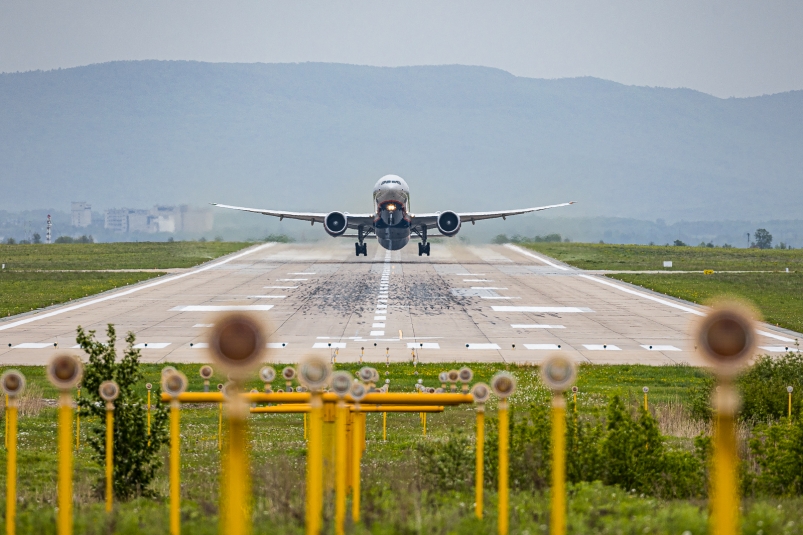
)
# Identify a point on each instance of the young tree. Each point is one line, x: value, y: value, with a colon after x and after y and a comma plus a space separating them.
x: 136, y: 455
x: 37, y: 238
x: 763, y: 239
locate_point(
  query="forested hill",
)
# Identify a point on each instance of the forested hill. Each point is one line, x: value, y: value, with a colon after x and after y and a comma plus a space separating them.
x: 317, y: 136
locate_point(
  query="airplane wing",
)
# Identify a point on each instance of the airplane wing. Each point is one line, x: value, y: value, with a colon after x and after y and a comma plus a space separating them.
x: 354, y: 220
x: 431, y: 220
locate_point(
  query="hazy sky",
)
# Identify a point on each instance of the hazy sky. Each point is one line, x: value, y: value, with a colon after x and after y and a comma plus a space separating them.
x: 726, y: 48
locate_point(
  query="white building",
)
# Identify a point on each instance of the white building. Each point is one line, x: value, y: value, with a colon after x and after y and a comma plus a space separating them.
x: 81, y: 214
x: 167, y: 219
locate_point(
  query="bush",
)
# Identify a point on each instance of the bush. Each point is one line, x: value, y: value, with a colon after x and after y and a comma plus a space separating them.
x: 279, y: 238
x: 136, y: 455
x: 763, y: 387
x: 449, y: 464
x: 777, y: 451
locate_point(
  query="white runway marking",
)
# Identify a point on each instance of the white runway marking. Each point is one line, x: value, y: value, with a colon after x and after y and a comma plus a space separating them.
x: 486, y: 288
x: 477, y: 280
x: 280, y: 287
x: 469, y: 274
x: 497, y: 297
x: 377, y: 333
x: 779, y: 349
x: 266, y: 297
x: 32, y: 345
x: 775, y: 336
x: 201, y: 345
x: 643, y: 295
x: 380, y: 318
x: 531, y: 255
x: 303, y: 273
x: 542, y: 347
x: 133, y: 290
x: 204, y: 325
x: 276, y: 345
x: 566, y: 310
x: 601, y: 347
x: 291, y: 280
x: 333, y: 345
x: 220, y: 308
x: 381, y: 306
x: 537, y: 326
x: 152, y: 345
x: 482, y: 346
x: 660, y: 348
x: 378, y: 325
x: 425, y: 345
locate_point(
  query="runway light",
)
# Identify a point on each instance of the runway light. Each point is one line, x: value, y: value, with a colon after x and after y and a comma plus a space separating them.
x: 206, y: 373
x: 341, y: 384
x: 12, y: 383
x: 503, y: 385
x: 109, y: 391
x: 481, y: 392
x: 174, y: 384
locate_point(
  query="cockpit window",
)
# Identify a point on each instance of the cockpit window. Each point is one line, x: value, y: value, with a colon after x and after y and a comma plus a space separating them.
x: 390, y: 182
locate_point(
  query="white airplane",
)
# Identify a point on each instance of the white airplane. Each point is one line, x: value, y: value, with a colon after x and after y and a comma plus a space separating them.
x: 392, y: 224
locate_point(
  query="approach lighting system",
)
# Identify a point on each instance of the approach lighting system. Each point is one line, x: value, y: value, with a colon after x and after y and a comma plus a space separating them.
x: 503, y: 384
x: 13, y: 383
x: 465, y: 375
x: 206, y: 372
x: 481, y: 392
x: 168, y: 369
x: 558, y: 372
x: 237, y: 343
x: 148, y: 386
x: 173, y: 384
x: 267, y: 374
x: 314, y: 372
x: 341, y: 383
x: 65, y: 371
x: 220, y: 387
x: 109, y: 391
x: 365, y: 374
x: 726, y: 338
x: 358, y: 391
x: 288, y: 373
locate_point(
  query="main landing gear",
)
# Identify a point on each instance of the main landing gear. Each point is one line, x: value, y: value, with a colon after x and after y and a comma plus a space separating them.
x: 361, y: 249
x: 423, y: 249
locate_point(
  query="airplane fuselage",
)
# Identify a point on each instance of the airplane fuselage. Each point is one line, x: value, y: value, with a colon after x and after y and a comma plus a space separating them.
x: 392, y: 222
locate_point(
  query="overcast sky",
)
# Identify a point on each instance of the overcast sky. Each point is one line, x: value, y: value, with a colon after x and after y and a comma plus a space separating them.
x: 725, y: 48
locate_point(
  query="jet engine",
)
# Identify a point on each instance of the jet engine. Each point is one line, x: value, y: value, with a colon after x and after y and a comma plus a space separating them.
x: 448, y: 223
x: 335, y: 224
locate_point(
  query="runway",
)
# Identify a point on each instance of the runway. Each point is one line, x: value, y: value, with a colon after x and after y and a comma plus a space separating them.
x: 485, y: 303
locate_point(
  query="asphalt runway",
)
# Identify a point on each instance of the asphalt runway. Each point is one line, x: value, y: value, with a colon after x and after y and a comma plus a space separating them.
x: 485, y: 303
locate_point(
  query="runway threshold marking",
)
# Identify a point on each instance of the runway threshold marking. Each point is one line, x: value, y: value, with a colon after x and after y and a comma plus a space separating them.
x: 220, y: 308
x: 542, y: 346
x: 152, y: 345
x: 660, y: 348
x: 537, y: 326
x: 133, y: 290
x: 601, y: 347
x: 566, y: 310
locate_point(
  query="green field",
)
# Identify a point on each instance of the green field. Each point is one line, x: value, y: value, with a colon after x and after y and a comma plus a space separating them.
x: 125, y: 255
x: 394, y: 497
x: 651, y: 257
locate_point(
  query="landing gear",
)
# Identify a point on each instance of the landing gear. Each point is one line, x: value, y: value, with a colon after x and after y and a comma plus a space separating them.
x: 361, y: 249
x: 423, y: 249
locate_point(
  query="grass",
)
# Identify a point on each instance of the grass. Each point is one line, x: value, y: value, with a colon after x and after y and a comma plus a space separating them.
x: 651, y: 257
x: 779, y: 296
x: 393, y: 500
x: 25, y: 291
x: 94, y: 256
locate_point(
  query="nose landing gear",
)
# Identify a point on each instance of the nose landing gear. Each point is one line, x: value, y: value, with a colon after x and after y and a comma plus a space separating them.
x: 423, y: 249
x: 361, y: 249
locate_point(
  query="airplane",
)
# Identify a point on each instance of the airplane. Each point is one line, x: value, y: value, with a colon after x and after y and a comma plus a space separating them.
x: 392, y: 224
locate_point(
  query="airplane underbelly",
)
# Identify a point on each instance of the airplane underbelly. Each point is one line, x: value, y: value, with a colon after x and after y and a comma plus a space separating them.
x: 393, y: 237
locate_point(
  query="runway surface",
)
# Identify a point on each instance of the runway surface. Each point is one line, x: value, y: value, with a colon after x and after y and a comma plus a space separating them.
x: 464, y: 303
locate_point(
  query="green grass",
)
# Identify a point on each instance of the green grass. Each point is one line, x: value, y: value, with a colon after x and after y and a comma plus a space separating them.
x: 647, y: 257
x: 392, y: 499
x: 779, y: 296
x: 25, y: 291
x: 91, y: 256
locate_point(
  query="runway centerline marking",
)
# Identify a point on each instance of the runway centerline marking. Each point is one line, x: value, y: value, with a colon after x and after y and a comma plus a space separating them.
x: 220, y: 308
x: 133, y: 290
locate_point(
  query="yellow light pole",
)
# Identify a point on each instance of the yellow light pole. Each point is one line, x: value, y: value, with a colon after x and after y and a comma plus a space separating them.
x: 558, y: 372
x: 645, y: 390
x: 173, y: 384
x: 206, y: 372
x: 357, y: 392
x: 148, y: 387
x: 78, y: 420
x: 5, y: 436
x: 481, y: 392
x: 726, y: 338
x: 13, y: 383
x: 341, y: 384
x: 574, y: 398
x: 237, y: 343
x: 503, y: 385
x: 220, y: 421
x: 64, y: 372
x: 314, y: 374
x: 108, y: 392
x: 789, y: 410
x: 384, y: 427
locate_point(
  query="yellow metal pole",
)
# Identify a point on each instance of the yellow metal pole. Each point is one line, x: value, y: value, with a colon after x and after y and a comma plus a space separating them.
x: 725, y: 507
x: 385, y: 426
x: 5, y: 435
x: 305, y: 426
x: 175, y: 482
x: 237, y: 497
x: 425, y: 423
x: 11, y: 467
x: 790, y: 408
x: 356, y: 455
x: 646, y: 407
x: 341, y: 444
x: 503, y: 468
x: 574, y: 401
x: 558, y: 494
x: 149, y: 417
x: 78, y: 424
x: 219, y: 426
x: 109, y: 456
x: 64, y: 515
x: 315, y: 466
x: 479, y: 466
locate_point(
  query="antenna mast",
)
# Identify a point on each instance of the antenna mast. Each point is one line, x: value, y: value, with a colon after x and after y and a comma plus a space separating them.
x: 49, y: 224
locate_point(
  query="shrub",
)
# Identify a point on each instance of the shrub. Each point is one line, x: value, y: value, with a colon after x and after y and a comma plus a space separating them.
x: 763, y: 387
x: 136, y: 456
x: 777, y: 451
x: 448, y: 464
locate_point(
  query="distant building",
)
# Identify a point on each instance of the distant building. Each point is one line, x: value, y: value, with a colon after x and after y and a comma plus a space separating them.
x: 160, y: 218
x: 81, y: 214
